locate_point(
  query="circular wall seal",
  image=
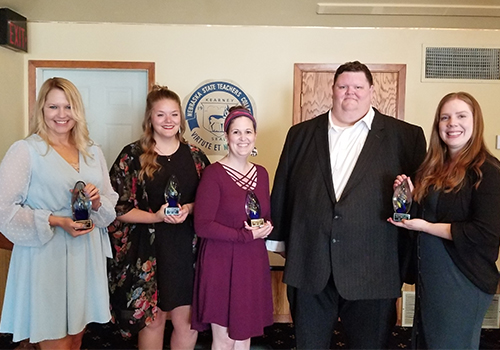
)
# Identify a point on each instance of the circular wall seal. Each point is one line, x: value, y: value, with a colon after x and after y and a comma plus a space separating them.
x: 206, y: 110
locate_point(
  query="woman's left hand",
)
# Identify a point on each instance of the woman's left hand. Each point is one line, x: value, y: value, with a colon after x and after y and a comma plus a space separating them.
x: 93, y: 193
x: 260, y: 231
x: 184, y: 211
x: 410, y: 224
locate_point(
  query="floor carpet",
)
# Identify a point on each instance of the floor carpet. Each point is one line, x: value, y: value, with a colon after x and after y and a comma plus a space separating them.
x: 277, y: 336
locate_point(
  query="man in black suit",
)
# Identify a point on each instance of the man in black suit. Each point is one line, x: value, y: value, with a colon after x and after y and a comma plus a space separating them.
x: 330, y: 201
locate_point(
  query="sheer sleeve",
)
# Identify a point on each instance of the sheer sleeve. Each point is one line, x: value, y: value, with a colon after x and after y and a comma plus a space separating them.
x: 19, y: 223
x: 106, y: 213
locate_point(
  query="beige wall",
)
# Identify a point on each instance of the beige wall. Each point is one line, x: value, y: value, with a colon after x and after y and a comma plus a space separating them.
x: 12, y: 120
x: 12, y: 82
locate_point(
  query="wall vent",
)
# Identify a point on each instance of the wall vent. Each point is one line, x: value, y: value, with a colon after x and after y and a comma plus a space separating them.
x: 492, y: 315
x: 462, y: 63
x: 491, y: 320
x: 408, y: 309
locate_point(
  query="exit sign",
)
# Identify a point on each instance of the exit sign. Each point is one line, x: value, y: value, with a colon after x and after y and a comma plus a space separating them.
x: 13, y: 30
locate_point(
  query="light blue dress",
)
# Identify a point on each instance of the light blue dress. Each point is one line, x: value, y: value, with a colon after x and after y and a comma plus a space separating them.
x: 57, y: 283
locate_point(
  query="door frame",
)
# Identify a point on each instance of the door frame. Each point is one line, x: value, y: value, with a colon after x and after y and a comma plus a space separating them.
x: 33, y: 65
x: 300, y: 68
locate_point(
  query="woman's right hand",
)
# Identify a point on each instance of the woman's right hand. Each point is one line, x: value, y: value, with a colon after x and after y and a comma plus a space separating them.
x: 68, y: 225
x: 160, y: 214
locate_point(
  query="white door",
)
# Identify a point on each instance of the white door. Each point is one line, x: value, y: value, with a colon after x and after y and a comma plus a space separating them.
x: 114, y: 101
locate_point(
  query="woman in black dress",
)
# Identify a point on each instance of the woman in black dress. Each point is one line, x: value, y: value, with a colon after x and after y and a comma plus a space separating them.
x: 152, y: 271
x: 458, y: 191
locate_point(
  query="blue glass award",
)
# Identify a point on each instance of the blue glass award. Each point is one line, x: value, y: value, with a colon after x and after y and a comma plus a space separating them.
x: 252, y: 208
x: 81, y: 206
x: 172, y: 196
x: 401, y: 201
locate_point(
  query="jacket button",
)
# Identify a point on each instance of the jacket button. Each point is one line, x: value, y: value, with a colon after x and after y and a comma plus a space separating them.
x: 336, y: 217
x: 335, y: 240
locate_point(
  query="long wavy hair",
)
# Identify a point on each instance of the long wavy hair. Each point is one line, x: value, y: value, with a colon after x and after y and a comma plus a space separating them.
x: 149, y: 163
x: 438, y: 170
x: 80, y: 133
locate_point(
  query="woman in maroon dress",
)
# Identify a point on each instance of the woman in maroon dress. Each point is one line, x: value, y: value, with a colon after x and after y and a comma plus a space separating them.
x: 233, y: 281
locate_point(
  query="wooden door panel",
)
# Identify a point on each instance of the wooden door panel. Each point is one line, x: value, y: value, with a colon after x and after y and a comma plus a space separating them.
x: 315, y: 95
x: 385, y: 93
x: 313, y: 89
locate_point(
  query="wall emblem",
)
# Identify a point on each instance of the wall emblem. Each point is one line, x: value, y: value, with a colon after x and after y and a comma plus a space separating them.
x: 206, y: 110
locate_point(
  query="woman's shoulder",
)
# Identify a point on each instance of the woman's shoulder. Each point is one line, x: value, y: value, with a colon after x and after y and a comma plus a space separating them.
x: 491, y: 166
x: 196, y: 151
x: 260, y: 168
x: 213, y: 168
x: 132, y: 149
x: 34, y: 141
x: 20, y: 146
x: 94, y: 147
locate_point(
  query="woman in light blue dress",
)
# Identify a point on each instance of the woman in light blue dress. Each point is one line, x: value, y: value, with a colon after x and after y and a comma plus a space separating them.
x: 57, y: 280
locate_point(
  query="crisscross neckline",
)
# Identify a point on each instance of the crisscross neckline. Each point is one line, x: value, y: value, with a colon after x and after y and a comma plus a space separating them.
x: 246, y: 181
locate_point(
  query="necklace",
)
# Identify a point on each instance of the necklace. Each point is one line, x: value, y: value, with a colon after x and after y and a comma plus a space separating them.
x: 69, y: 153
x: 164, y: 154
x: 75, y: 166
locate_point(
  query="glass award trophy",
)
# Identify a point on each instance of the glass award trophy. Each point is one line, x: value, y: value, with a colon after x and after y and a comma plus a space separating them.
x: 172, y: 196
x: 81, y: 206
x: 252, y: 208
x: 401, y: 201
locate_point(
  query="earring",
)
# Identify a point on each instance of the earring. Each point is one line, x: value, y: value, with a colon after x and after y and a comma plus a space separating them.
x: 254, y: 152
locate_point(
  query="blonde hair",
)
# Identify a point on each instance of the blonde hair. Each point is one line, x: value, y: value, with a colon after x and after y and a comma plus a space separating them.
x: 80, y: 133
x: 438, y: 171
x: 149, y: 163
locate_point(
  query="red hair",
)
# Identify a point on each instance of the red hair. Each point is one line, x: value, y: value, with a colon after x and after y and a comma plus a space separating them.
x: 441, y: 172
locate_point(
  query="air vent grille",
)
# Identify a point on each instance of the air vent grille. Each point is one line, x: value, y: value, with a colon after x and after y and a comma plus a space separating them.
x: 462, y: 63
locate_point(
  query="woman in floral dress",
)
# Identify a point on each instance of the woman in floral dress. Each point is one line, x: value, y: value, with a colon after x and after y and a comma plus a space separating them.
x: 152, y: 272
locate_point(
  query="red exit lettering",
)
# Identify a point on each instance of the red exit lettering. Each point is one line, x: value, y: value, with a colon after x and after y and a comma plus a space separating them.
x: 17, y: 36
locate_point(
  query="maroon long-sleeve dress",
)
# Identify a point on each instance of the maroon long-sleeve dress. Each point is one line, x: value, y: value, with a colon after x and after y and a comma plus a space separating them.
x: 233, y: 280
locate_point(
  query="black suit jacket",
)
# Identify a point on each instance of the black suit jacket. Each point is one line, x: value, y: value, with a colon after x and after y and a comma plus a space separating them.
x: 351, y: 238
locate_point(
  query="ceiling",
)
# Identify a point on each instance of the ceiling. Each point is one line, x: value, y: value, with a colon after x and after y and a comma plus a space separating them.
x: 479, y: 14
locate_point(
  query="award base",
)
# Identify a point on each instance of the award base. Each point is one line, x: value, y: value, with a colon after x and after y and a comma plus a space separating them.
x: 256, y: 222
x: 172, y: 211
x: 88, y: 224
x: 400, y: 217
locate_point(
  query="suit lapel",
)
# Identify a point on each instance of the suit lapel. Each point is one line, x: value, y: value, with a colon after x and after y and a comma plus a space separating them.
x: 323, y: 148
x: 372, y: 146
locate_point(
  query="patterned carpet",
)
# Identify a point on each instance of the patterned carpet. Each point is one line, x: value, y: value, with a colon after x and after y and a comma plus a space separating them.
x: 278, y: 336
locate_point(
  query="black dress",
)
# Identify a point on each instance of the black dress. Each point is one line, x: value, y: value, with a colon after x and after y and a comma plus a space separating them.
x: 175, y: 244
x: 450, y: 308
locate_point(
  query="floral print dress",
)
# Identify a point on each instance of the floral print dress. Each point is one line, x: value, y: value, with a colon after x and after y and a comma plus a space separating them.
x: 132, y: 272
